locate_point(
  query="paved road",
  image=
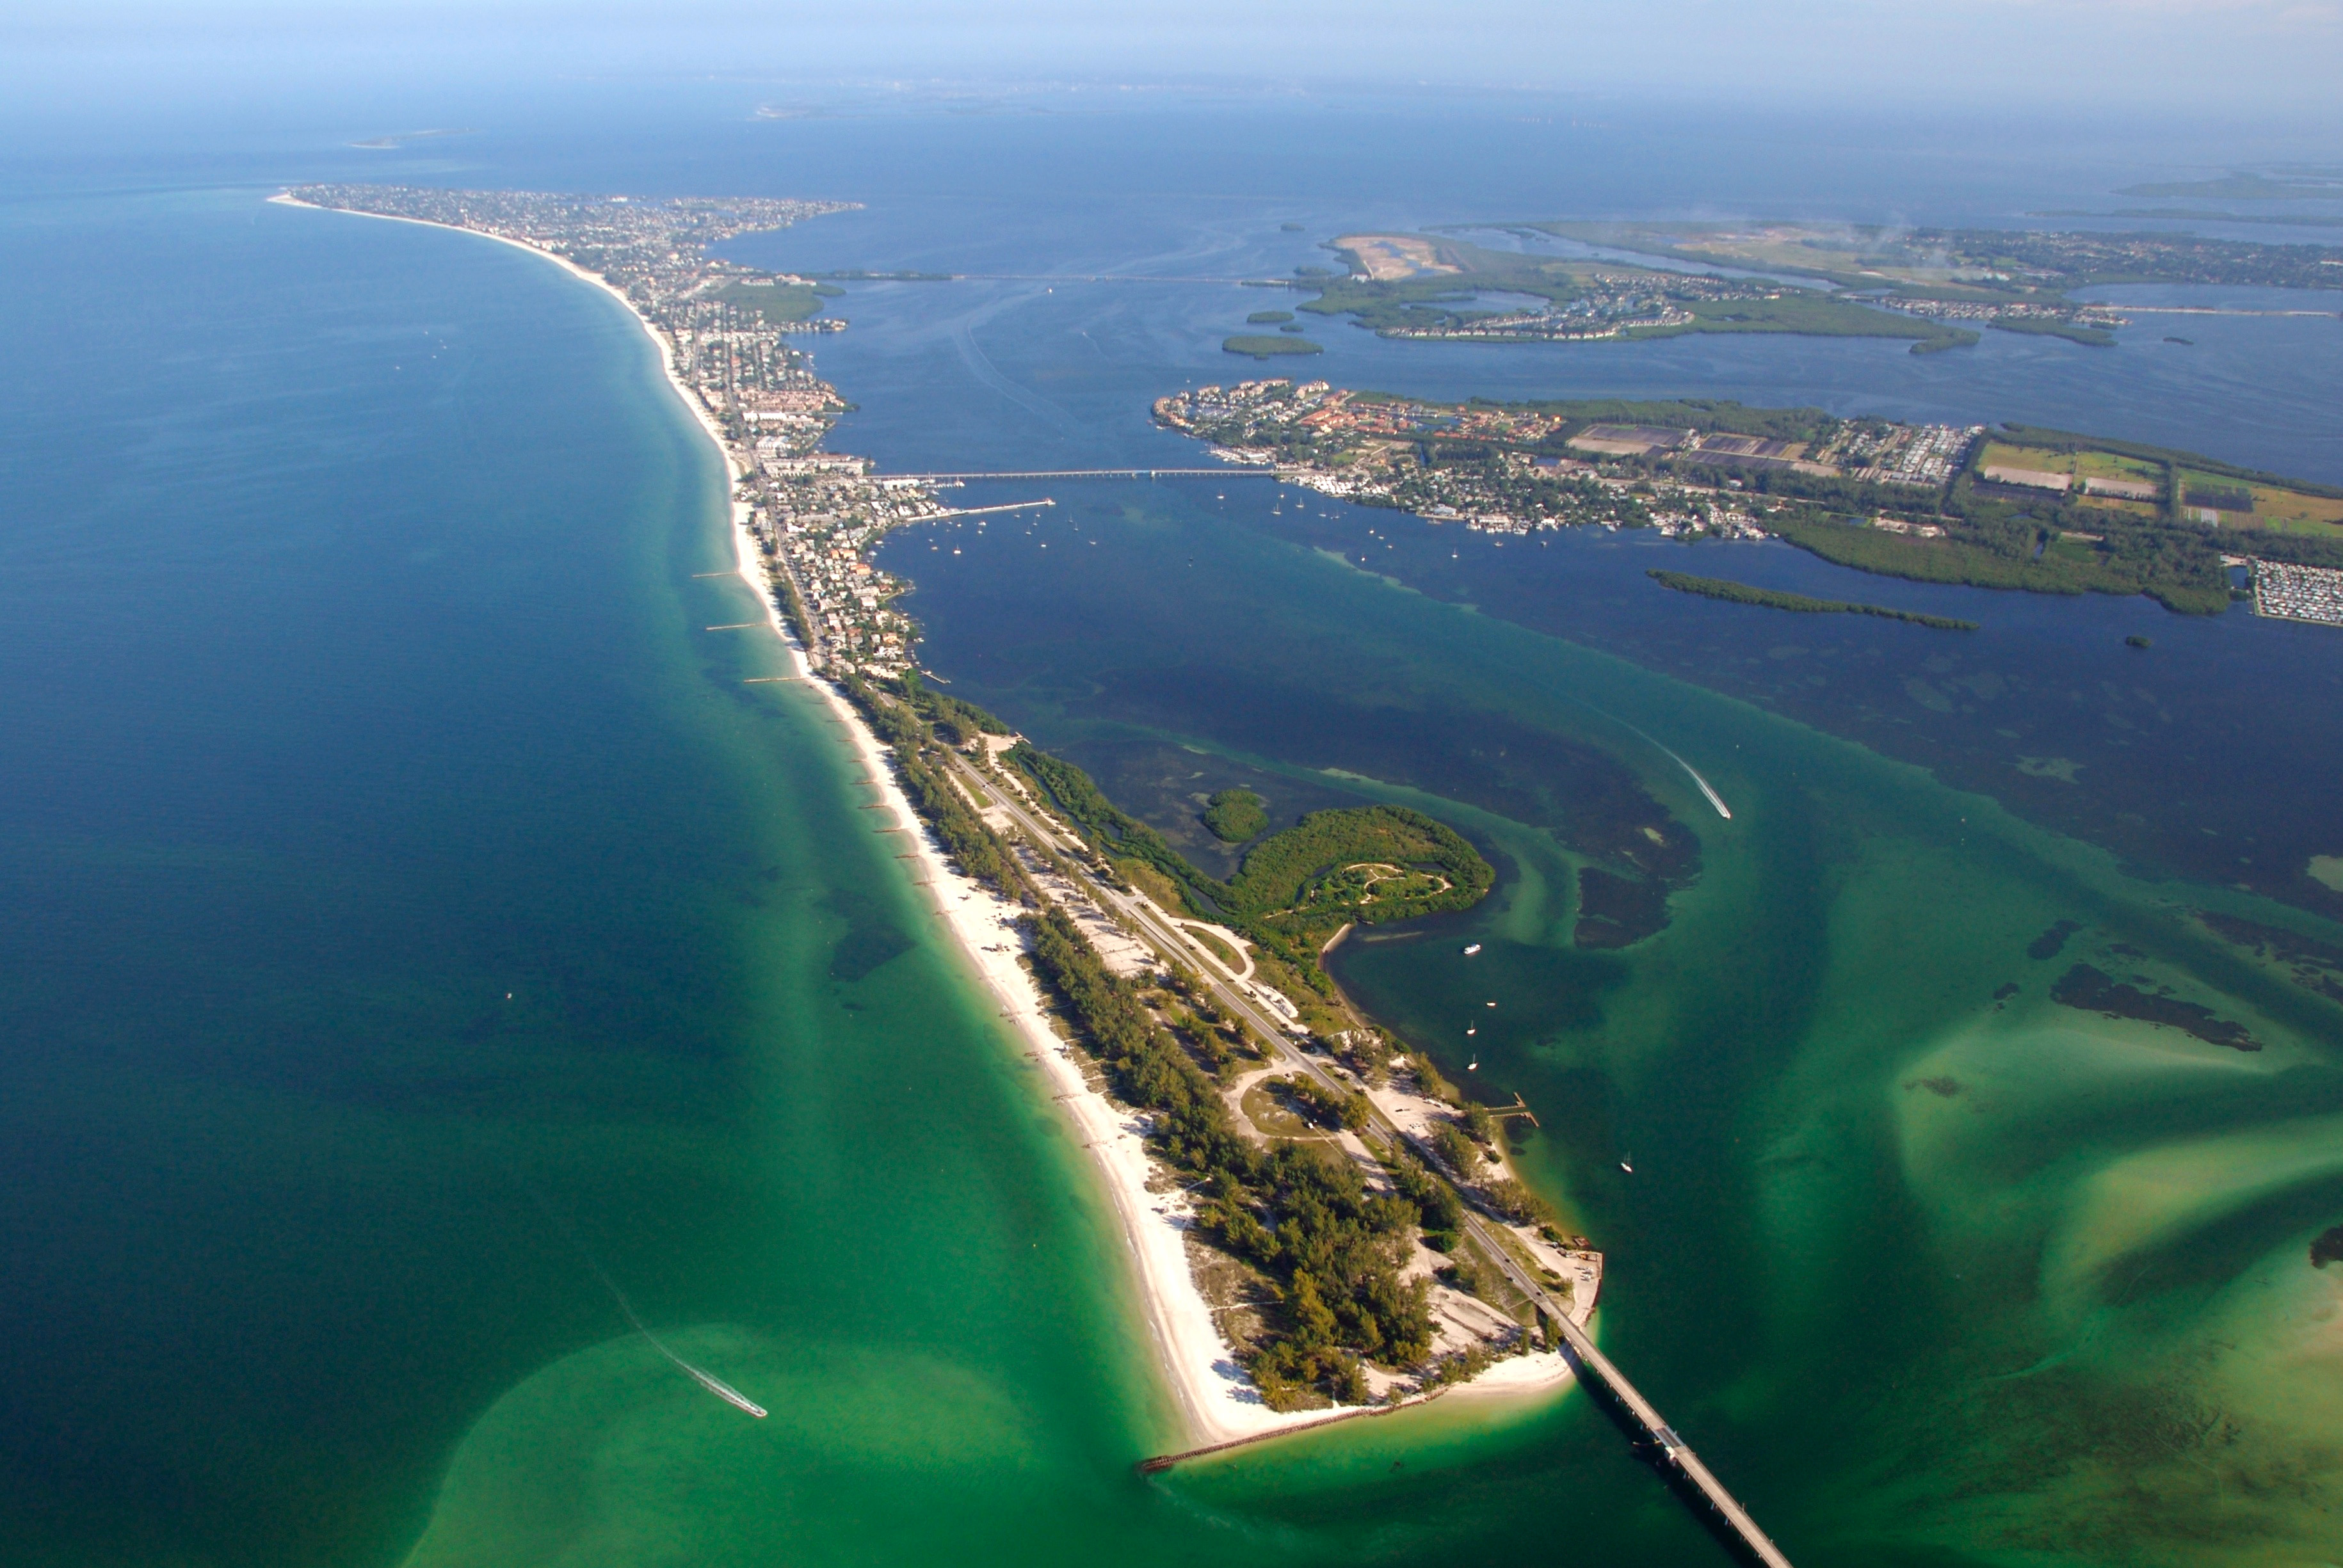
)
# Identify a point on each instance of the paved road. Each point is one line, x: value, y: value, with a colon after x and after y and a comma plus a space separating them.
x: 1159, y: 934
x: 1093, y: 474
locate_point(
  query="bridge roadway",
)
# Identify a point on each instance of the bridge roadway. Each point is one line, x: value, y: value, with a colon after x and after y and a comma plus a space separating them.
x: 1160, y: 934
x: 1095, y: 474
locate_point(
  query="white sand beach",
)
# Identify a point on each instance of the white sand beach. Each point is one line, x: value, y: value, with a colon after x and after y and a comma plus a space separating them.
x: 1216, y: 1402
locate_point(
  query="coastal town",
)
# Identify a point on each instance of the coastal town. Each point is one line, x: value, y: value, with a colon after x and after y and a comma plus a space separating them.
x: 727, y: 330
x: 1514, y: 470
x: 1324, y: 1226
x: 1478, y: 1284
x: 1933, y: 502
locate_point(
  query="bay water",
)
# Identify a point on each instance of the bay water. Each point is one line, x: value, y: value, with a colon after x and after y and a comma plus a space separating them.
x: 415, y: 934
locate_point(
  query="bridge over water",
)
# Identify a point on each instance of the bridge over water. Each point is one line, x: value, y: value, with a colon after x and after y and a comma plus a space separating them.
x: 1094, y: 474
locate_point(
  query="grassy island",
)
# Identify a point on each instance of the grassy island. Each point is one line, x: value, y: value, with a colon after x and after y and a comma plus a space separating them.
x: 1774, y: 599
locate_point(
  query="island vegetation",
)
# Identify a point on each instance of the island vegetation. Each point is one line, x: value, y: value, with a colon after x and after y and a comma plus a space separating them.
x: 1364, y: 864
x: 1426, y: 286
x: 1329, y: 1240
x: 1235, y: 816
x: 2012, y: 280
x: 1774, y: 598
x: 1298, y: 1212
x: 774, y: 302
x: 1262, y: 346
x: 2020, y: 506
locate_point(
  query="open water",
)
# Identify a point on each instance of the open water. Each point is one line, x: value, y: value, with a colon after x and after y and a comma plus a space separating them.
x: 406, y: 915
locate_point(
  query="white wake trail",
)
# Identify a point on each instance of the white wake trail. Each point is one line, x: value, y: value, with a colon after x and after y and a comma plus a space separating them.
x: 1714, y: 799
x: 708, y: 1381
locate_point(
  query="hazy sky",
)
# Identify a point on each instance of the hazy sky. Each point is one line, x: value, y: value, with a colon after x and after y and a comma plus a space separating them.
x: 2250, y: 57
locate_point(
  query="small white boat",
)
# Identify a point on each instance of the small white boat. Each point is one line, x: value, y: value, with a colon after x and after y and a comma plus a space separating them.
x: 1472, y: 948
x: 1630, y: 1170
x: 1473, y: 1065
x: 1472, y: 1031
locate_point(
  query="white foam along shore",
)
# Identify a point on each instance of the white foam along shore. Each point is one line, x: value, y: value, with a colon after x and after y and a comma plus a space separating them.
x: 1216, y: 1402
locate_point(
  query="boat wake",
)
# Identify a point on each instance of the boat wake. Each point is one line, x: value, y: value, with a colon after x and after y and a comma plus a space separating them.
x: 1707, y: 790
x: 1714, y: 799
x: 707, y: 1380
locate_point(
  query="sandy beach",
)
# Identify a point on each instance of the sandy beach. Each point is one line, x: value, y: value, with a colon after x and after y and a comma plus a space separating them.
x: 1215, y: 1401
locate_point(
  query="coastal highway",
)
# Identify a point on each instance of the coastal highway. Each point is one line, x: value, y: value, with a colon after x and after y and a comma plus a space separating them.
x: 1159, y: 933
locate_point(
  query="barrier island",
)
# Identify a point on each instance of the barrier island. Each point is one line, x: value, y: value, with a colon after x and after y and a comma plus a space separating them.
x: 1936, y: 287
x: 1301, y: 1196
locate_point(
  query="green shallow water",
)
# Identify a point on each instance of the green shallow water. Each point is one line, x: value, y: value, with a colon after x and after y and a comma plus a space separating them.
x: 408, y: 913
x: 1927, y: 1276
x: 396, y: 702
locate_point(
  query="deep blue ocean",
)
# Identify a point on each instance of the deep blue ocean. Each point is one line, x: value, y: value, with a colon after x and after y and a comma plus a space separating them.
x: 406, y: 920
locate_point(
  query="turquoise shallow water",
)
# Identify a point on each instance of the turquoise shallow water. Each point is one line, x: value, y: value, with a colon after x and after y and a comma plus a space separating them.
x: 351, y: 640
x: 397, y: 881
x: 409, y: 915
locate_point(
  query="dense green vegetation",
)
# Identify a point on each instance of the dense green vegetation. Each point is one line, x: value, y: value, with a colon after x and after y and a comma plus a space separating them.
x: 2045, y: 326
x: 1296, y: 888
x: 1114, y: 832
x: 1269, y: 318
x: 1291, y: 884
x: 954, y: 721
x: 1299, y: 1213
x: 2178, y: 568
x: 1773, y: 598
x: 1235, y: 815
x: 1262, y: 347
x: 975, y: 847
